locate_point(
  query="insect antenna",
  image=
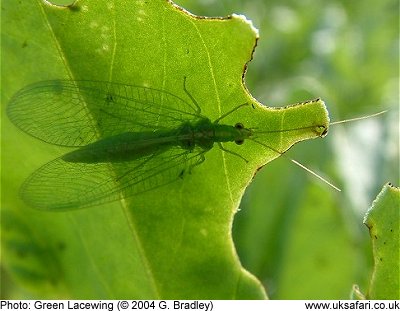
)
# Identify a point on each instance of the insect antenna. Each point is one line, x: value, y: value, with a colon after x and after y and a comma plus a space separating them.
x: 359, y: 118
x: 322, y: 132
x: 298, y: 164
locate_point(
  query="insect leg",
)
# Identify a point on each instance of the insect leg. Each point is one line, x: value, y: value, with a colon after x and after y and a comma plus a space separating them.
x: 199, y: 160
x: 231, y: 152
x: 229, y: 112
x: 191, y: 97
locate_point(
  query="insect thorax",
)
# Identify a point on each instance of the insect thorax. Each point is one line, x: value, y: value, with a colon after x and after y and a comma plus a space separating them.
x: 200, y: 133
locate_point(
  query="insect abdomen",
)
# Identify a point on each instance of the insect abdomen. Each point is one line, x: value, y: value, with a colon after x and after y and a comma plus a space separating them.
x: 123, y: 147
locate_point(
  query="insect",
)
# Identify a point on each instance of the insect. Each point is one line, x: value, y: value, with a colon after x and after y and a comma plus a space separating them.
x: 134, y: 139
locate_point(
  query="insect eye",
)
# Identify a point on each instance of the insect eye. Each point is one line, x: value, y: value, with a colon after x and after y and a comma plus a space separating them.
x: 239, y: 126
x: 239, y: 141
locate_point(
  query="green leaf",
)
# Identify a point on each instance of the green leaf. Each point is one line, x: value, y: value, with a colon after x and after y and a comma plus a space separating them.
x: 175, y: 241
x: 383, y: 222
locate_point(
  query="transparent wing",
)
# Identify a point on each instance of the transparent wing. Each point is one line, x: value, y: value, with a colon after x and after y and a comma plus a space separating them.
x: 75, y: 113
x: 60, y: 185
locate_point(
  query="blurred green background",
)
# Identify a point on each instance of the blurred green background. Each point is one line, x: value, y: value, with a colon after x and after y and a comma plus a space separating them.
x: 301, y: 238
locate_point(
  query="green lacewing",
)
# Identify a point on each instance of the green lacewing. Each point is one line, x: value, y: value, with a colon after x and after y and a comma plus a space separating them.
x: 134, y: 139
